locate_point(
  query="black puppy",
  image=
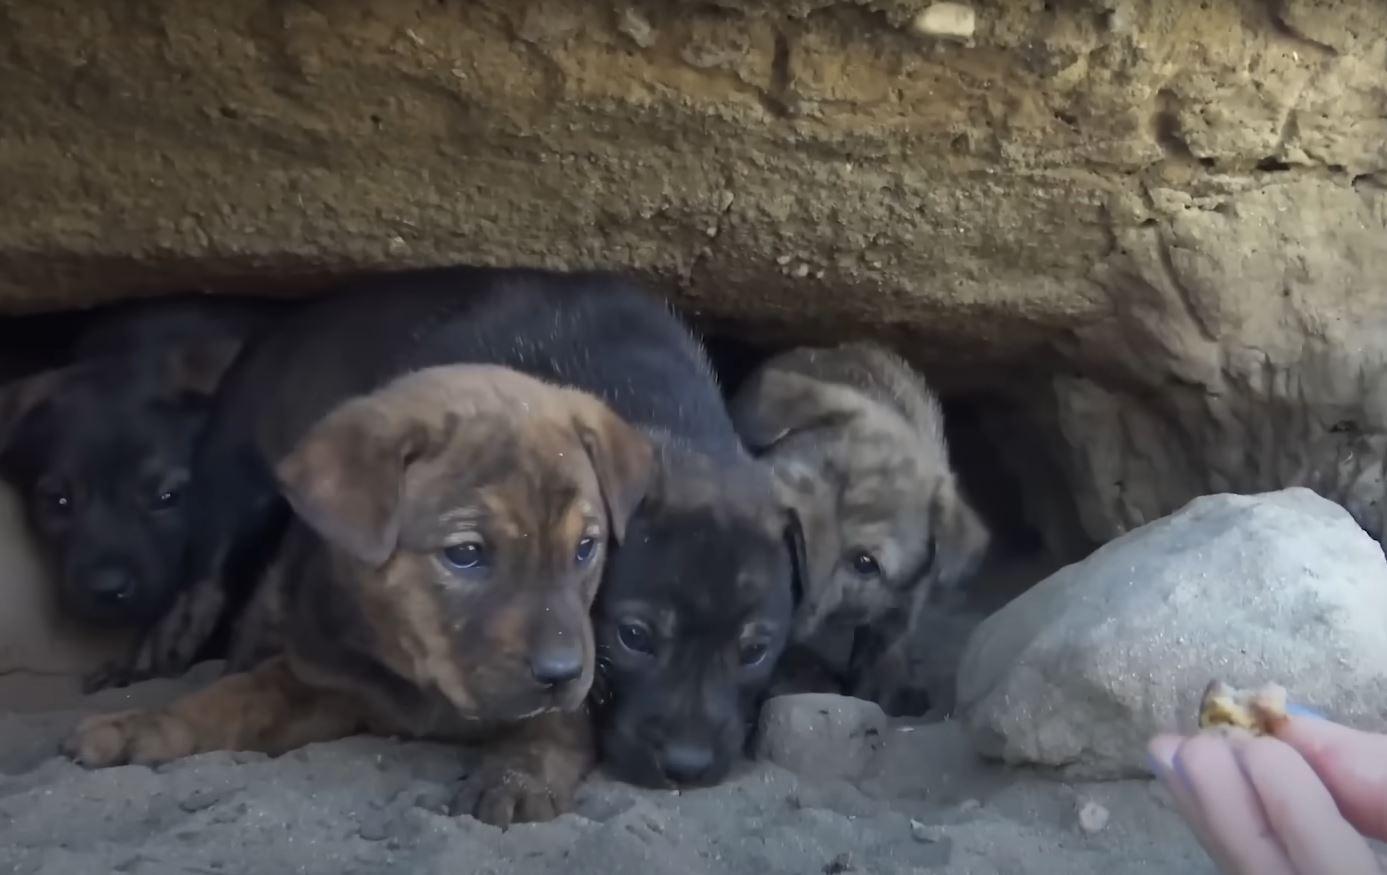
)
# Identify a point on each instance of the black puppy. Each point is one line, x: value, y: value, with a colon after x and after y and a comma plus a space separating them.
x: 100, y: 448
x: 696, y: 600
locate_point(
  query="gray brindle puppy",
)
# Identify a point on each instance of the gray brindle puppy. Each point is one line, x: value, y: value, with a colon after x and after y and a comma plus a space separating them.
x: 856, y: 442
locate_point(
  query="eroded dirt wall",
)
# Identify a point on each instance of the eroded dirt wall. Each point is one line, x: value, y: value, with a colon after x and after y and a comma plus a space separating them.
x: 1160, y: 225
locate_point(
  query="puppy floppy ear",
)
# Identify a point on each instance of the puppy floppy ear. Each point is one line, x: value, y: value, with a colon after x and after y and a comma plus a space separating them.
x: 23, y: 396
x: 795, y: 484
x: 961, y: 538
x: 622, y: 457
x: 198, y: 369
x: 773, y: 405
x: 799, y: 556
x: 345, y: 477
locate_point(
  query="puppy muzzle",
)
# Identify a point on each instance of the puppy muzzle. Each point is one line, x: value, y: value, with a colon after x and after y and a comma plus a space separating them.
x: 109, y: 595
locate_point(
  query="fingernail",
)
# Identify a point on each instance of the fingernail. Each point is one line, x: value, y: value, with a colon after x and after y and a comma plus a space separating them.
x: 1160, y: 767
x: 1178, y: 773
x: 1298, y: 711
x: 1156, y: 767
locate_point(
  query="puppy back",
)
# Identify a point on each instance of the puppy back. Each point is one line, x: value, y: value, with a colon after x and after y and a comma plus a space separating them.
x: 605, y: 335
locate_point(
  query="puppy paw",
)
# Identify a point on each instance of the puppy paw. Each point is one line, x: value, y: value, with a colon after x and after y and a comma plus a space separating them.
x: 505, y: 795
x: 139, y: 737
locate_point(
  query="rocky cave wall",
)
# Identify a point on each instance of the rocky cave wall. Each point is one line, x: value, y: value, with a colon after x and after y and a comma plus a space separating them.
x: 1152, y: 234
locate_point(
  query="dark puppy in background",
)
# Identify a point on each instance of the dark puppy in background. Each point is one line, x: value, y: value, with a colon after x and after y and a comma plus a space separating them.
x: 855, y: 440
x: 696, y: 602
x: 99, y: 447
x: 450, y: 535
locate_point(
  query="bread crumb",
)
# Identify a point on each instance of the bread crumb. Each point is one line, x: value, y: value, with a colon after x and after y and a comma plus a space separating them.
x: 1260, y: 711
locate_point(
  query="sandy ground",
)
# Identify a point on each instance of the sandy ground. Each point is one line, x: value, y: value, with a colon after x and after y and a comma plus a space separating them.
x: 367, y: 805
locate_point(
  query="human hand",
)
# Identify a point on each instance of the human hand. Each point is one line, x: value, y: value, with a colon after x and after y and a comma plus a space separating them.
x: 1296, y: 804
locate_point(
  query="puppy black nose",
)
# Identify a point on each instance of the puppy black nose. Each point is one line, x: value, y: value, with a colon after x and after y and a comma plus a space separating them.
x: 556, y: 666
x: 111, y: 584
x: 684, y: 762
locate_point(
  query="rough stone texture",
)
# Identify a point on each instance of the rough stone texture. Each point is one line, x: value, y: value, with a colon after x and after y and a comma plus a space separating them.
x: 1175, y: 206
x: 820, y: 735
x: 1080, y: 671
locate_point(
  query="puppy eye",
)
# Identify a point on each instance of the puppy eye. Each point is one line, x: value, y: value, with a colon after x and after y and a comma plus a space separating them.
x: 754, y: 653
x: 54, y: 497
x: 865, y: 564
x: 168, y: 498
x: 587, y: 548
x: 465, y: 557
x: 635, y: 636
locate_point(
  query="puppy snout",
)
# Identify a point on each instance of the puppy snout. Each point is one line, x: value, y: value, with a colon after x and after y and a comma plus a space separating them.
x: 558, y: 663
x: 110, y: 584
x: 686, y: 762
x: 559, y: 653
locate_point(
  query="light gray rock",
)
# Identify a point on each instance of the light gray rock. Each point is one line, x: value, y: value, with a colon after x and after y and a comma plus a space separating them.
x: 1083, y: 668
x: 820, y: 735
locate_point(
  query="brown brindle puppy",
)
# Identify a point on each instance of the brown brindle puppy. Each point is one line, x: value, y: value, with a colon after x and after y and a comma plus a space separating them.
x: 855, y: 440
x: 451, y: 530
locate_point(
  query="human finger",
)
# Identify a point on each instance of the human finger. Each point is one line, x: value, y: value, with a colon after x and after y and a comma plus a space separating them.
x: 1300, y: 810
x: 1235, y: 830
x: 1351, y: 764
x: 1161, y: 754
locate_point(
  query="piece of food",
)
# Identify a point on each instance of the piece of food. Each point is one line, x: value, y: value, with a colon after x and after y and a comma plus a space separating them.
x: 1260, y: 711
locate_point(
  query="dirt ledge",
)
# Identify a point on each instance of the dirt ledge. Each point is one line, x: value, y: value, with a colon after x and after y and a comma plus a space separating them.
x: 1170, y: 213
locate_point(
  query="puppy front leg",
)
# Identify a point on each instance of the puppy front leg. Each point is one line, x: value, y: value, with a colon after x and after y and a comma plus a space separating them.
x: 171, y: 646
x: 887, y: 681
x: 168, y: 648
x: 531, y: 775
x: 880, y: 669
x: 267, y: 709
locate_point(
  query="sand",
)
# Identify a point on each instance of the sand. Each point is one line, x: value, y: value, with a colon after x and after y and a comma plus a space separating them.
x: 368, y: 805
